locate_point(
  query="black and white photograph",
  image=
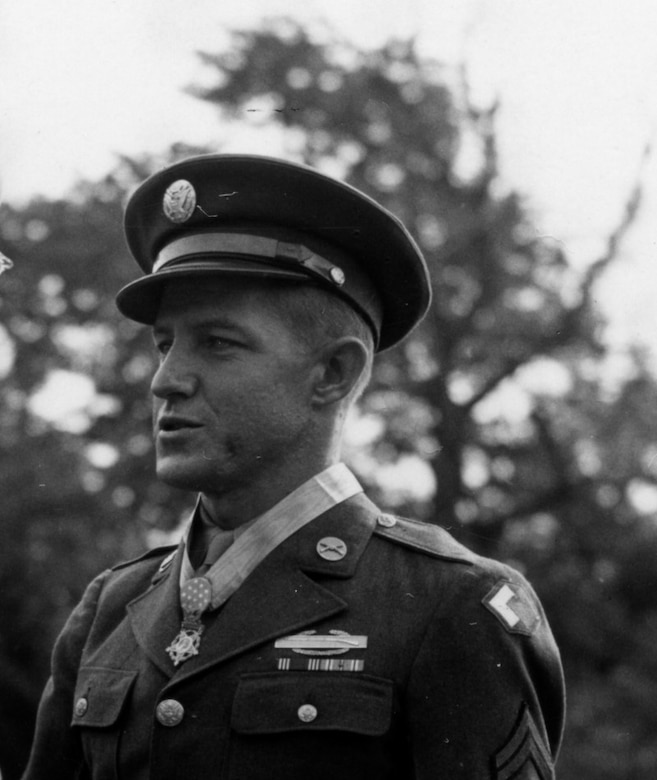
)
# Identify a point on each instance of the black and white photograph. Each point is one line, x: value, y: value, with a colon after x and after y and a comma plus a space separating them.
x: 328, y: 390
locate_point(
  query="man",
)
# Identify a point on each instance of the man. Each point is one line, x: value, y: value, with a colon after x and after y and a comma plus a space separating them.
x: 297, y: 631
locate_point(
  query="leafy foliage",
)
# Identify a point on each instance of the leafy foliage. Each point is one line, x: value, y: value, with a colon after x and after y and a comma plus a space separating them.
x: 502, y: 418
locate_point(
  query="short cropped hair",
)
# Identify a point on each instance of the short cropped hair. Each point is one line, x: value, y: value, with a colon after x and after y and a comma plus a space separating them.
x: 317, y: 317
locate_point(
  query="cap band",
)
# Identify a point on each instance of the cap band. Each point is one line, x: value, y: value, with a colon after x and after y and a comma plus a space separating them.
x: 285, y: 258
x: 256, y: 247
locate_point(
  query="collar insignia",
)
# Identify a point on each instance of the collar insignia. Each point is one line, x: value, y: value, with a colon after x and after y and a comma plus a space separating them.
x: 167, y: 561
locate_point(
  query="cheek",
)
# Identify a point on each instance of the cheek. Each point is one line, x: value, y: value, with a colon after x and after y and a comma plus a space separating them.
x: 274, y: 402
x: 276, y: 411
x: 290, y: 396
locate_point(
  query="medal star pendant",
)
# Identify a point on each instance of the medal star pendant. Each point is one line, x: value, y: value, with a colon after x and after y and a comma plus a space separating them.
x: 186, y: 644
x: 195, y: 598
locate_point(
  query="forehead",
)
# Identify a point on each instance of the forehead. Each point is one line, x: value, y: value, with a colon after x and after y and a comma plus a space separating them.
x: 185, y: 297
x: 247, y: 305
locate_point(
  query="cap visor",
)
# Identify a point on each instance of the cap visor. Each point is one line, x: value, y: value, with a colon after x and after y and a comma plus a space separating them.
x: 140, y: 300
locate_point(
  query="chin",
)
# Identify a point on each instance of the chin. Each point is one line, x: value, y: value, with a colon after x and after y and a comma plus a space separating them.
x: 180, y: 475
x: 189, y: 474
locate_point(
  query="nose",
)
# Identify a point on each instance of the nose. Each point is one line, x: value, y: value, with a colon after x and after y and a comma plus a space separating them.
x: 175, y: 375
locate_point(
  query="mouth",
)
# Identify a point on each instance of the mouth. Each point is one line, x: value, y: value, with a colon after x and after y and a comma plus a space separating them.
x: 169, y: 424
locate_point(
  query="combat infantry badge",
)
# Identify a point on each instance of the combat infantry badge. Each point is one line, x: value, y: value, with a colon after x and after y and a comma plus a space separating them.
x: 318, y: 646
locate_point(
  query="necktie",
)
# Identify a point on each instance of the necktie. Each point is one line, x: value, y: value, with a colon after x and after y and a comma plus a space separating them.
x: 219, y: 543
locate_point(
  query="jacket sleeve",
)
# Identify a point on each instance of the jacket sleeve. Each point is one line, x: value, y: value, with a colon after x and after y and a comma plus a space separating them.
x: 56, y: 750
x: 486, y: 694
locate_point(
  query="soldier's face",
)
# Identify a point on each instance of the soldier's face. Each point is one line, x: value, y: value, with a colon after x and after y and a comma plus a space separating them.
x: 232, y: 394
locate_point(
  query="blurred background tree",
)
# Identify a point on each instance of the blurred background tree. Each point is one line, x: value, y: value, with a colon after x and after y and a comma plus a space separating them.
x: 504, y: 418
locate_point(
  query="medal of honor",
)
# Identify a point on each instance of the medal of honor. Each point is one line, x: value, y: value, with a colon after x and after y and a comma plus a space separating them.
x: 195, y: 598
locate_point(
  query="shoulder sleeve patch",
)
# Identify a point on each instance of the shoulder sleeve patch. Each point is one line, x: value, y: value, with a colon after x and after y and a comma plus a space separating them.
x: 513, y: 605
x: 425, y: 537
x: 524, y: 755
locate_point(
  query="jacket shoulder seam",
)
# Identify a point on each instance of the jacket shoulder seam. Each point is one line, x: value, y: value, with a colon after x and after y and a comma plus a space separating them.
x: 423, y: 537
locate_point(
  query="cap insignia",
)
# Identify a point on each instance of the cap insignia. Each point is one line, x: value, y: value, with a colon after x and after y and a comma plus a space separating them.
x: 179, y: 201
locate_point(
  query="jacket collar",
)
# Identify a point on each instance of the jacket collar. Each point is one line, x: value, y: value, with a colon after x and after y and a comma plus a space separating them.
x: 351, y: 522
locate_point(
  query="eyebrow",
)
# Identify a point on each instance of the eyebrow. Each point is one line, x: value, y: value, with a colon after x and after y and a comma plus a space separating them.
x: 202, y: 324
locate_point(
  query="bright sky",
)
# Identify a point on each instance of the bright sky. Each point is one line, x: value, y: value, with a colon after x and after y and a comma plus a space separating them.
x: 81, y: 81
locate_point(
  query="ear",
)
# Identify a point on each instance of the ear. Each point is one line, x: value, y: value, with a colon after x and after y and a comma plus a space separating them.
x: 338, y: 369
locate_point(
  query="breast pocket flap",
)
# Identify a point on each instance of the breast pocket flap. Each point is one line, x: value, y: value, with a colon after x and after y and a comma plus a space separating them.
x: 100, y: 695
x: 276, y: 703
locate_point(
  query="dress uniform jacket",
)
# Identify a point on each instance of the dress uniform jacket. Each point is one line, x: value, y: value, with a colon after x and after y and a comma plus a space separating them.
x: 439, y: 664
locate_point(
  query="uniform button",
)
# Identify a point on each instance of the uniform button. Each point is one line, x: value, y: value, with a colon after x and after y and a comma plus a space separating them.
x: 330, y: 548
x: 337, y: 275
x: 81, y: 707
x: 307, y: 713
x: 387, y: 521
x: 169, y: 712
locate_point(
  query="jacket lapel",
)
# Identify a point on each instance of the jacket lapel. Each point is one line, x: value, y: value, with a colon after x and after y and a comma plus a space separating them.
x: 281, y: 597
x: 156, y: 615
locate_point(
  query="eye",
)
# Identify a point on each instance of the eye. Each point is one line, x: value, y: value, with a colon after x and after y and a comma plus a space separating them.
x: 162, y: 346
x: 217, y: 343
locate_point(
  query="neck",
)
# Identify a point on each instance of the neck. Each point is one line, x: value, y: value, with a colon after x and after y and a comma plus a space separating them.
x: 230, y: 510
